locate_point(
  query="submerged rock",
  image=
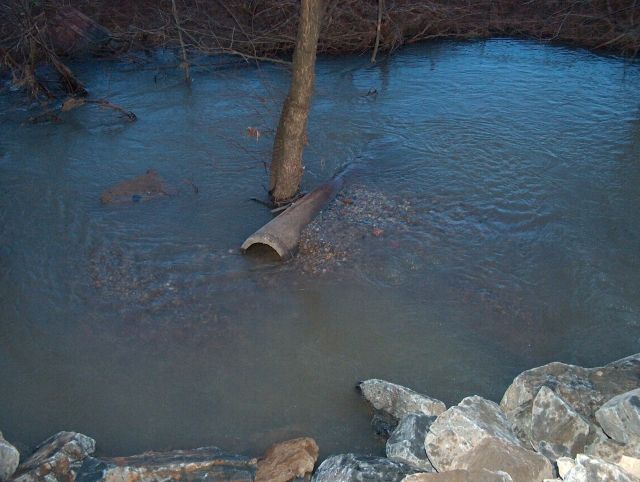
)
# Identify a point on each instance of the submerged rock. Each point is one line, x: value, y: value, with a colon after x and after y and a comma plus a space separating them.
x: 620, y: 416
x: 142, y: 188
x: 397, y: 400
x: 406, y: 443
x: 356, y: 468
x: 206, y: 463
x: 495, y: 455
x: 557, y: 430
x: 591, y: 469
x: 583, y: 389
x: 461, y: 428
x: 285, y: 461
x: 460, y: 476
x: 9, y: 459
x: 56, y: 459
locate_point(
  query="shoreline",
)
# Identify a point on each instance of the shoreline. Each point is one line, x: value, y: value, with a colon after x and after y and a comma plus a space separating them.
x: 555, y: 422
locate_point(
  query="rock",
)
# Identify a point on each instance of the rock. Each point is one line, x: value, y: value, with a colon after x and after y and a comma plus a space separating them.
x: 460, y: 476
x: 631, y: 465
x: 56, y: 459
x: 461, y: 428
x: 565, y: 464
x: 557, y: 430
x: 591, y: 469
x: 406, y: 443
x: 383, y: 424
x: 620, y: 416
x: 202, y: 464
x: 584, y: 389
x: 397, y: 400
x: 496, y: 455
x: 285, y: 461
x: 356, y: 468
x: 613, y: 451
x: 139, y: 189
x: 9, y: 459
x: 71, y: 33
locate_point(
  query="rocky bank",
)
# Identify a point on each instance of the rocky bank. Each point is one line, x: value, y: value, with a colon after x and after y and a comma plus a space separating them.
x: 557, y: 422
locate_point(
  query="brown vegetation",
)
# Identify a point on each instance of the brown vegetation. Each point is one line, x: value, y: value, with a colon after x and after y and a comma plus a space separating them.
x: 30, y: 33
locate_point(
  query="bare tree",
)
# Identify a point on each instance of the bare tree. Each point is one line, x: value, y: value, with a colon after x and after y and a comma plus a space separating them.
x: 286, y: 163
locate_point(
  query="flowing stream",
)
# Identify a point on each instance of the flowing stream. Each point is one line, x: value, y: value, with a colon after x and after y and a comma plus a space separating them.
x: 509, y: 177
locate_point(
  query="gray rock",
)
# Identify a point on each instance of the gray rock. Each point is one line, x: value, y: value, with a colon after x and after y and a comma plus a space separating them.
x: 397, y: 400
x: 495, y: 455
x: 620, y: 416
x: 613, y: 451
x: 565, y: 464
x: 406, y: 443
x: 591, y: 469
x: 461, y: 428
x: 460, y: 476
x: 357, y: 468
x: 557, y: 430
x: 383, y: 424
x: 203, y: 464
x: 56, y: 459
x: 9, y: 459
x: 584, y: 389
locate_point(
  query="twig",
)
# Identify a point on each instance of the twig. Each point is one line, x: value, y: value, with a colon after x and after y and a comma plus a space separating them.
x: 375, y: 48
x: 185, y: 60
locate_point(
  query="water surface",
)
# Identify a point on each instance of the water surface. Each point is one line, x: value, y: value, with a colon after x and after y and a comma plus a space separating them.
x: 143, y: 327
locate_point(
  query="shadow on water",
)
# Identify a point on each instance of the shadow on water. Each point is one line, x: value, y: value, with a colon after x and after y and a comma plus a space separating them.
x: 495, y: 229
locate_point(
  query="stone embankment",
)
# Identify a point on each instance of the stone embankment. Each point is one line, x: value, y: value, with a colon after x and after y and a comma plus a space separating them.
x: 557, y: 423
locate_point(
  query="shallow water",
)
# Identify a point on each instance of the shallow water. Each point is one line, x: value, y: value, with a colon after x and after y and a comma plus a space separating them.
x: 143, y: 327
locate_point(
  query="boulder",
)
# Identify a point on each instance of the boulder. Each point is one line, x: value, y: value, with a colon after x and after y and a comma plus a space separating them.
x: 565, y: 464
x: 205, y: 464
x: 383, y: 424
x: 406, y: 443
x: 356, y: 468
x: 285, y: 461
x: 620, y: 416
x: 461, y: 428
x: 631, y: 465
x: 557, y: 430
x: 56, y: 459
x: 460, y: 476
x: 397, y: 400
x: 142, y: 188
x: 613, y: 451
x: 9, y: 459
x: 584, y: 389
x: 495, y: 455
x: 591, y: 469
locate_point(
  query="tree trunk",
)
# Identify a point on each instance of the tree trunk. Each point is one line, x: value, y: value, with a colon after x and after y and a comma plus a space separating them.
x: 286, y: 162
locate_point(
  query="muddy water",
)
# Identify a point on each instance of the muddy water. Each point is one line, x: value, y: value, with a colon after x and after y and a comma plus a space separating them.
x: 496, y: 228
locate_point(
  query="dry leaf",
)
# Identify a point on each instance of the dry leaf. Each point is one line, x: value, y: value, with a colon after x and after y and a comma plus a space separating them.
x: 253, y: 132
x: 72, y: 103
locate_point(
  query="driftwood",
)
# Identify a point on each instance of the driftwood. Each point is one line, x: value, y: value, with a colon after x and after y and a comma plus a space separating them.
x: 282, y: 233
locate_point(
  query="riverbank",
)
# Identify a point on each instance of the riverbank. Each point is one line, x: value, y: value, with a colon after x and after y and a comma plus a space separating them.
x: 33, y: 34
x: 554, y: 422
